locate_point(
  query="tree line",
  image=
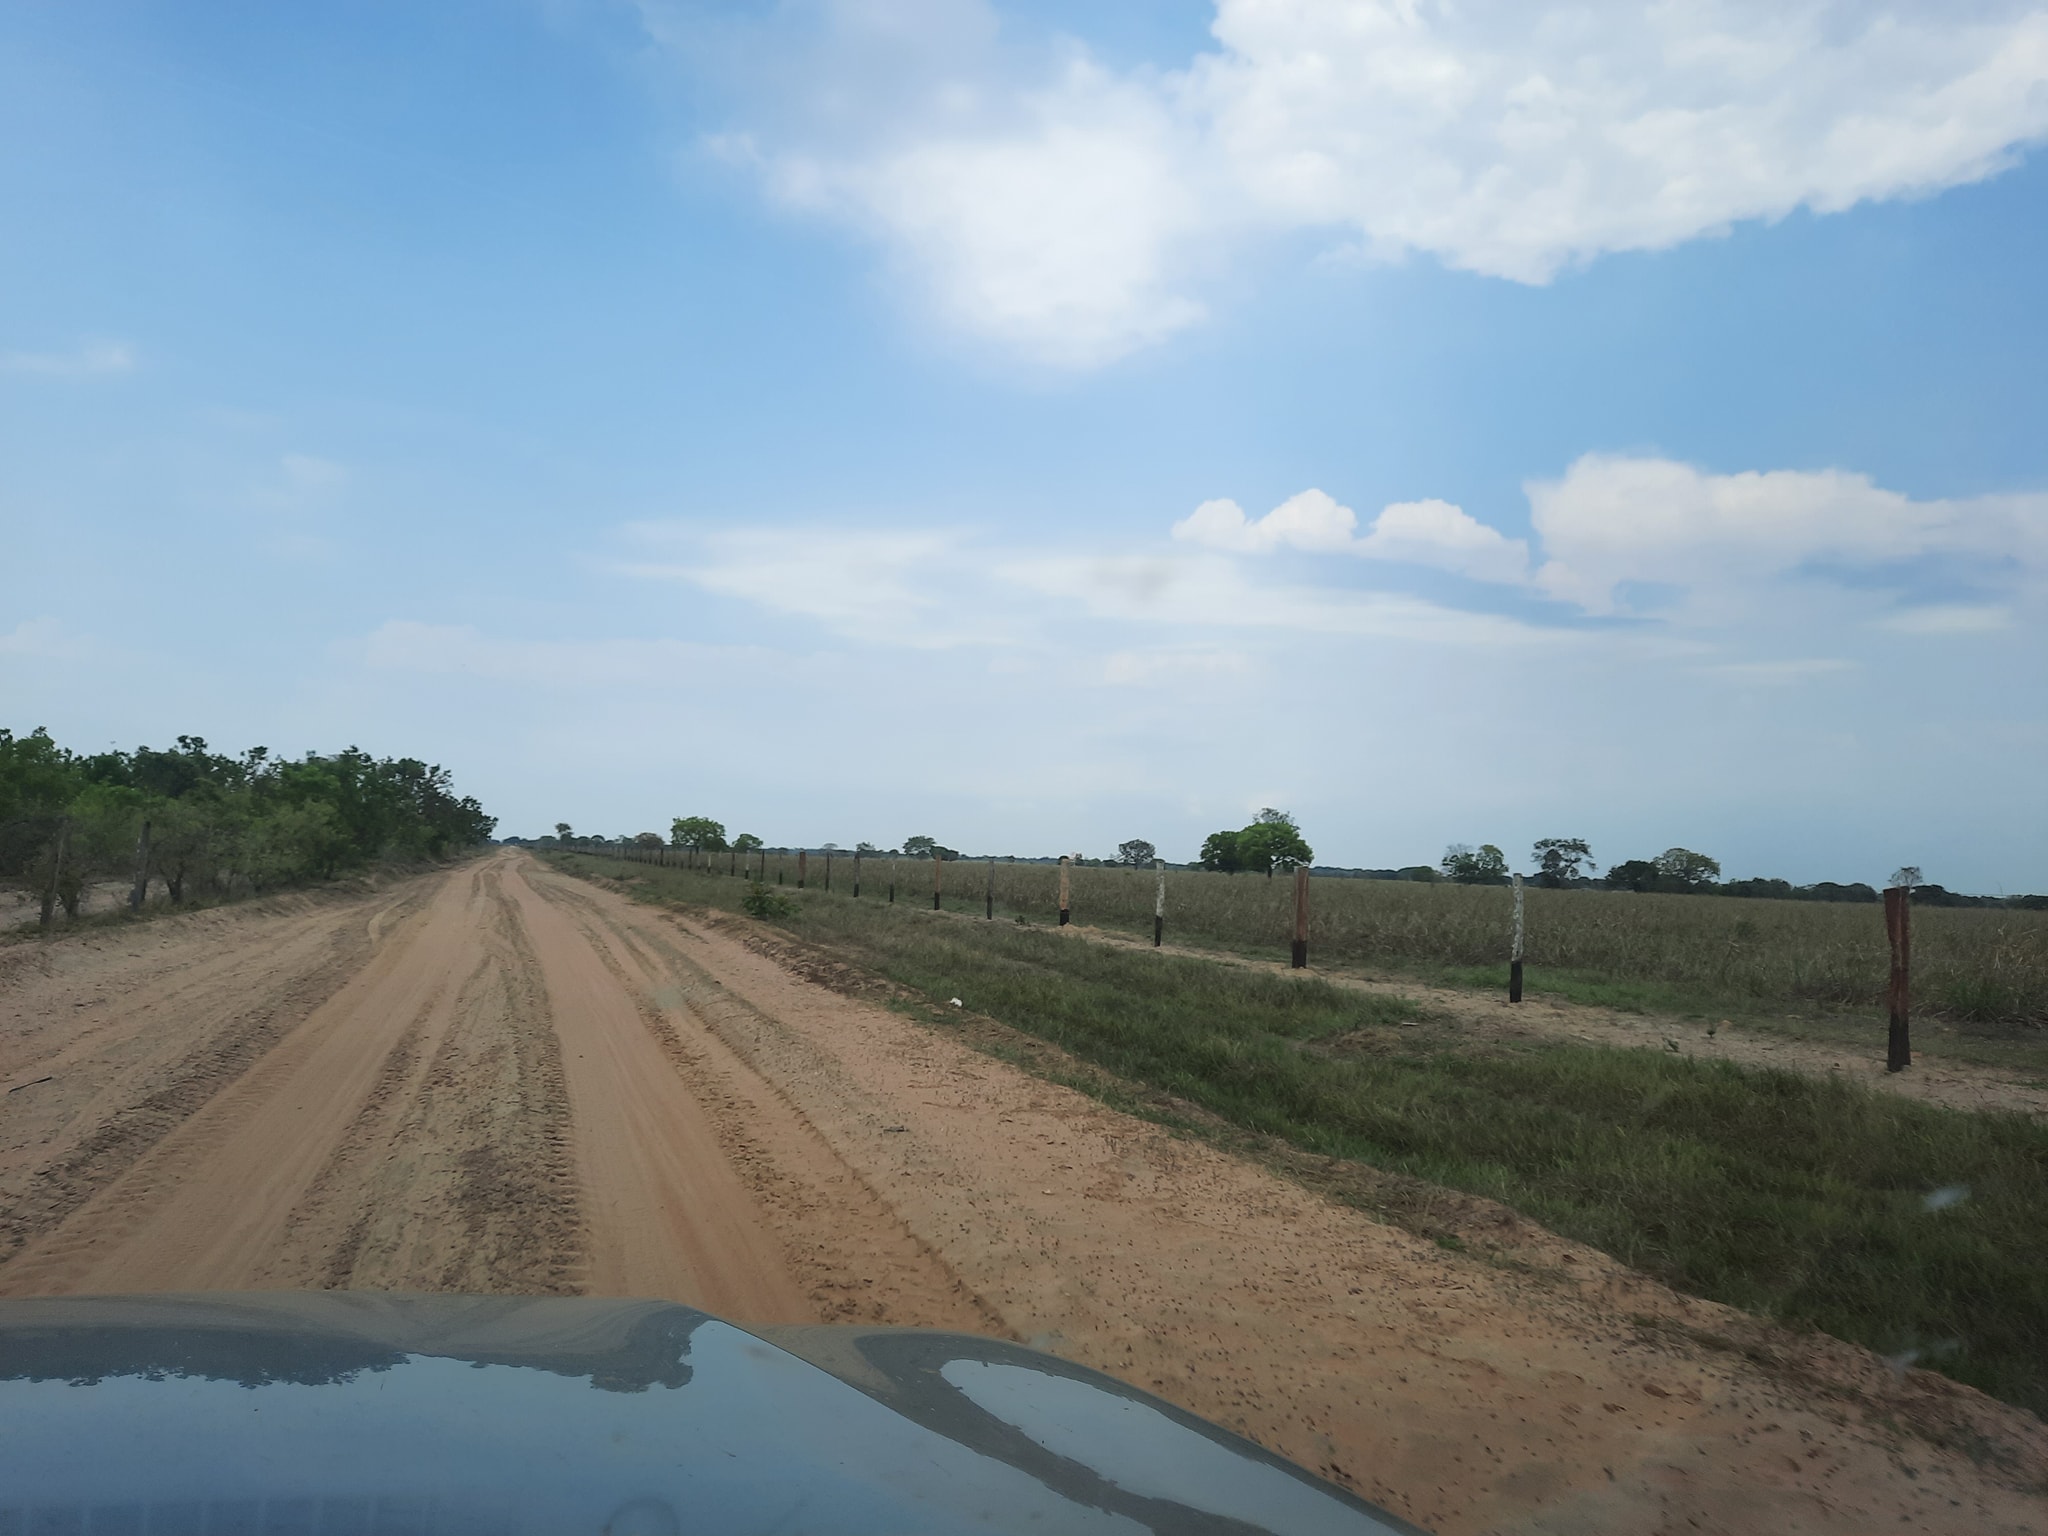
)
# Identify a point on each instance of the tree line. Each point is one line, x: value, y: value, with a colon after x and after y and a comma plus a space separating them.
x: 1273, y: 841
x: 204, y: 822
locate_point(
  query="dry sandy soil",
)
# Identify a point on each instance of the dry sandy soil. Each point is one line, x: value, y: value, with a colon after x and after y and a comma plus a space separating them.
x: 502, y: 1079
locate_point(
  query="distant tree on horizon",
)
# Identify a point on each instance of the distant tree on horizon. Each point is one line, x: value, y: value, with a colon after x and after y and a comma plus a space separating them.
x: 1136, y: 852
x: 700, y: 833
x: 1560, y: 859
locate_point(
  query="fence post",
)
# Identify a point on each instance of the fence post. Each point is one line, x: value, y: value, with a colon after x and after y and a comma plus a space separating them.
x: 803, y: 859
x: 1515, y: 954
x: 991, y: 888
x: 1064, y: 908
x: 56, y: 870
x: 856, y: 874
x: 936, y: 866
x: 1159, y: 904
x: 828, y: 869
x: 1300, y: 917
x: 893, y: 859
x: 141, y: 892
x: 1898, y: 907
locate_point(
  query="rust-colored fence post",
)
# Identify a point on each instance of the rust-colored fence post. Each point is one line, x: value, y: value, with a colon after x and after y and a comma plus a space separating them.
x: 1300, y: 916
x: 1065, y: 905
x: 1515, y: 953
x: 938, y: 864
x: 1159, y: 905
x: 1898, y: 907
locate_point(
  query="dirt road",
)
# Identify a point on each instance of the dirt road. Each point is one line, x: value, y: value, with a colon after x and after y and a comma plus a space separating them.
x: 502, y: 1079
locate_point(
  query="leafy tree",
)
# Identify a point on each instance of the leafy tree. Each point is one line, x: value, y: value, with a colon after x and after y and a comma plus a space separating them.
x: 562, y: 830
x: 1680, y: 869
x: 1906, y: 876
x: 746, y: 842
x: 1633, y: 875
x: 928, y: 847
x: 1424, y: 874
x: 697, y: 832
x: 647, y: 840
x: 865, y: 848
x: 1560, y: 860
x: 1273, y: 841
x: 1484, y: 865
x: 1220, y: 852
x: 1136, y: 852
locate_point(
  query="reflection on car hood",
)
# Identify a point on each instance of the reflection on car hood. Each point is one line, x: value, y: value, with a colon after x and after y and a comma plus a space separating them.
x: 332, y: 1411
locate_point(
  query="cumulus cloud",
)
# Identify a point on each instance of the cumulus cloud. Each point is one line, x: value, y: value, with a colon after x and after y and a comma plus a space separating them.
x: 1436, y: 533
x: 1069, y: 211
x: 1614, y: 521
x: 91, y: 358
x: 1431, y: 533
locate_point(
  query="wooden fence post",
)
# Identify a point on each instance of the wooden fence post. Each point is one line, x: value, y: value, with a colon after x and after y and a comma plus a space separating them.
x: 803, y: 859
x: 991, y: 888
x: 1515, y: 953
x: 1064, y: 909
x: 856, y: 874
x: 1898, y: 907
x: 56, y: 870
x: 892, y: 878
x: 1300, y: 916
x: 141, y: 892
x: 828, y: 869
x: 937, y: 866
x: 1159, y: 905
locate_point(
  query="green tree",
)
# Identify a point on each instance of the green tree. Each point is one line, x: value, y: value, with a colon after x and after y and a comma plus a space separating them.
x: 1680, y: 869
x: 1136, y: 852
x: 697, y: 832
x: 746, y: 842
x: 1561, y: 859
x: 1221, y: 853
x: 1484, y: 865
x: 1633, y: 875
x: 1273, y: 841
x: 928, y: 848
x: 562, y: 830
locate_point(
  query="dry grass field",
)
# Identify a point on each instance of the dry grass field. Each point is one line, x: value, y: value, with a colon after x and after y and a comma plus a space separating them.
x: 1667, y: 952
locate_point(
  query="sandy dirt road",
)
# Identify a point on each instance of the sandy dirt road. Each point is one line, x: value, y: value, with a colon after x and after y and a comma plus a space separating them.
x: 502, y: 1079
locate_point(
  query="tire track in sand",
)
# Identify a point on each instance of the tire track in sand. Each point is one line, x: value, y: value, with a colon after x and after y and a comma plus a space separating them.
x: 209, y: 1203
x: 855, y: 1257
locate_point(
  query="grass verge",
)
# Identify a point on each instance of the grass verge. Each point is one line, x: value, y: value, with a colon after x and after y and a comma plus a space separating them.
x: 1911, y: 1229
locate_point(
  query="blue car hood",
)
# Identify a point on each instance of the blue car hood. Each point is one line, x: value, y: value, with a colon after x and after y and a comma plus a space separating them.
x: 347, y: 1412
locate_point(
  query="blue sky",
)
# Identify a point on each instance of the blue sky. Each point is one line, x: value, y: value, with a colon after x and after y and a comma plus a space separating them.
x: 1041, y: 426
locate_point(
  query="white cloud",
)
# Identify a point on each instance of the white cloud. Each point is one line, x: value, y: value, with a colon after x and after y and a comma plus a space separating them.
x: 1310, y: 520
x: 1611, y: 521
x: 1435, y: 533
x: 91, y: 358
x: 1069, y: 212
x: 1431, y: 533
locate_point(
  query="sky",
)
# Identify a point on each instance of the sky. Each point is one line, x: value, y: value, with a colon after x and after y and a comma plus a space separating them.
x: 1038, y: 426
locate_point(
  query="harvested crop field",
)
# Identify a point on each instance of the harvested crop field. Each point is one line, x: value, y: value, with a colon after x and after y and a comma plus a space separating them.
x: 501, y: 1078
